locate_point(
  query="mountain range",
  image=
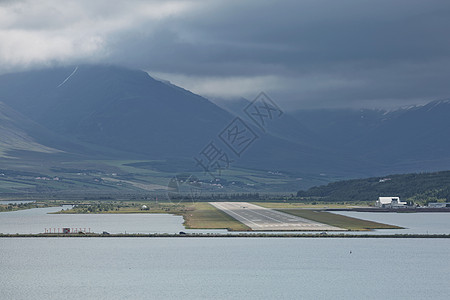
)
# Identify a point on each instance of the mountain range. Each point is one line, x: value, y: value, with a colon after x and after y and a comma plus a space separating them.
x: 376, y: 141
x: 114, y: 113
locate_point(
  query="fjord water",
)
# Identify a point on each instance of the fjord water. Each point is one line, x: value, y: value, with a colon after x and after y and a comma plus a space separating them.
x: 224, y: 268
x: 413, y: 223
x: 217, y: 268
x: 36, y: 220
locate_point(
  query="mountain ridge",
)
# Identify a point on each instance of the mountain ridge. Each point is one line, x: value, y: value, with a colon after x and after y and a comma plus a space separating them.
x: 107, y: 111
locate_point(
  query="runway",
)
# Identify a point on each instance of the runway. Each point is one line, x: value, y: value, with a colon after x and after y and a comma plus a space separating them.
x: 264, y: 219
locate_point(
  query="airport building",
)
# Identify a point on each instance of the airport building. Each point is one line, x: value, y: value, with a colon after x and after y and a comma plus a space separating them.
x: 390, y: 202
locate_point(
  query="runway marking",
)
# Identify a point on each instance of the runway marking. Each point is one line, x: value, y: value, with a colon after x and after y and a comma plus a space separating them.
x: 232, y: 212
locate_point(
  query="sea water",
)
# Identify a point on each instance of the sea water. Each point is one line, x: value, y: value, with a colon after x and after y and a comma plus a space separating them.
x: 224, y: 268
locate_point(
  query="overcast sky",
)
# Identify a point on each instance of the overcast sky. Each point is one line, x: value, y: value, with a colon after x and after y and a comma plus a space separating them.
x: 315, y: 53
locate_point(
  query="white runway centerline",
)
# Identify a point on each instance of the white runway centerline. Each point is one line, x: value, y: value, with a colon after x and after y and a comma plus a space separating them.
x: 260, y: 218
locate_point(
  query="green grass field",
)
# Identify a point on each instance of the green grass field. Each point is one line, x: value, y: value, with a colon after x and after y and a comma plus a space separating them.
x: 132, y: 176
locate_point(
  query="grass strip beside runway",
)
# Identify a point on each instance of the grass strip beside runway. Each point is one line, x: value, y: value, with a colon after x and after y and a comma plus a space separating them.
x: 338, y: 220
x: 206, y: 216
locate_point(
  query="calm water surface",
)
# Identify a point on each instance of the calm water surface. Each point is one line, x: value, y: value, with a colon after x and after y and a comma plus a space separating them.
x: 224, y: 268
x: 417, y: 223
x: 36, y: 220
x: 218, y: 268
x: 3, y: 202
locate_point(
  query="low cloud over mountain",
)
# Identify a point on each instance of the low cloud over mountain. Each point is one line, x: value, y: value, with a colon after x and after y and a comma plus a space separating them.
x: 306, y: 54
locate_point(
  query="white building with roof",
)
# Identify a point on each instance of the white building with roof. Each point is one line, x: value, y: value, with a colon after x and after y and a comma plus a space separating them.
x: 388, y: 202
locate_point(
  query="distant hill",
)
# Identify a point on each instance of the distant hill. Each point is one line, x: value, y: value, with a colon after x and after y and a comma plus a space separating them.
x: 419, y: 187
x: 17, y: 133
x: 370, y: 141
x: 404, y: 140
x: 114, y: 107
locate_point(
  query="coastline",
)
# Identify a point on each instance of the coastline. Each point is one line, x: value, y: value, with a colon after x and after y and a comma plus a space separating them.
x: 229, y: 235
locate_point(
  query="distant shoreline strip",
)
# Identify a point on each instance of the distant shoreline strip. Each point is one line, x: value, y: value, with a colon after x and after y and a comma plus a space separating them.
x: 255, y: 235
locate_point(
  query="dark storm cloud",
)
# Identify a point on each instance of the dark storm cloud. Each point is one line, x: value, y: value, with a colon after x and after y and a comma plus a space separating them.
x: 303, y: 53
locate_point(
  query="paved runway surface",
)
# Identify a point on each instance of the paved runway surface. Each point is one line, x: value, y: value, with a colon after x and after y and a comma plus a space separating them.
x: 259, y: 218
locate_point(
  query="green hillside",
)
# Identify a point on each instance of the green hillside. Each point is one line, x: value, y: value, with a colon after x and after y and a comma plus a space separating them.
x: 420, y: 188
